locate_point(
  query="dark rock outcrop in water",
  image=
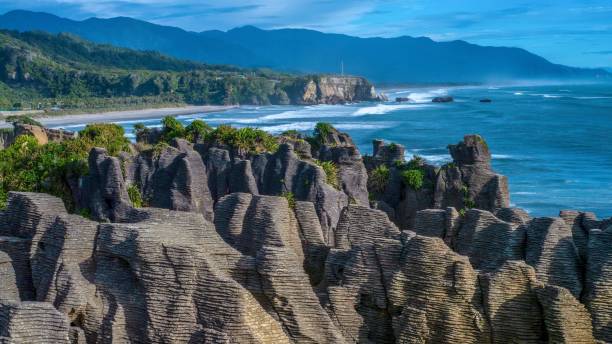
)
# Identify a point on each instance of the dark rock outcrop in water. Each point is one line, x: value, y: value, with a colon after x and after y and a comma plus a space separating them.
x: 229, y: 261
x: 445, y: 99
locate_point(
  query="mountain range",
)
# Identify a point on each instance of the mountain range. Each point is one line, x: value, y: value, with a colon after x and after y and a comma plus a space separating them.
x: 382, y: 60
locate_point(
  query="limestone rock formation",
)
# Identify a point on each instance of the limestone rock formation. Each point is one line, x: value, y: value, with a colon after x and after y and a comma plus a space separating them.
x: 598, y: 282
x: 468, y: 182
x: 551, y: 251
x: 265, y: 273
x: 32, y: 322
x: 265, y: 248
x: 41, y: 134
x: 104, y: 190
x: 331, y: 90
x: 175, y: 178
x: 339, y: 148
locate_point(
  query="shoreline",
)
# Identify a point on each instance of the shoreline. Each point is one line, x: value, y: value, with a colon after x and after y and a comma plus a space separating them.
x: 123, y: 115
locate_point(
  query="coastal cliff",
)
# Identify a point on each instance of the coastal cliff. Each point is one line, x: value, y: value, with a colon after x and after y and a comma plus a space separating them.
x: 296, y: 239
x: 332, y: 90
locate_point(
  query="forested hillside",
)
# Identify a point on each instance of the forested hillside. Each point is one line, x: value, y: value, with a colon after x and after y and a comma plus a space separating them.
x: 41, y: 70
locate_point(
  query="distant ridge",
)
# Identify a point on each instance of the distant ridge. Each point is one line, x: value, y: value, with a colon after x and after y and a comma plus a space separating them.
x: 383, y: 60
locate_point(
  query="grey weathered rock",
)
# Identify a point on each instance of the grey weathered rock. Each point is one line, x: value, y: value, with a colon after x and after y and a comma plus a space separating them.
x: 566, y: 319
x: 513, y: 215
x: 315, y: 265
x: 581, y: 224
x: 551, y: 251
x: 470, y: 181
x: 15, y: 273
x: 175, y: 178
x: 357, y: 273
x: 32, y: 322
x: 598, y: 282
x: 387, y: 153
x: 436, y: 300
x: 62, y: 265
x: 488, y: 241
x: 511, y: 304
x: 353, y: 176
x: 286, y: 173
x: 441, y: 223
x: 104, y: 188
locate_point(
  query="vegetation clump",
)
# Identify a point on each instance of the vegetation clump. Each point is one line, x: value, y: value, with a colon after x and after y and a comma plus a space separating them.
x: 468, y: 202
x: 197, y: 130
x: 290, y: 199
x: 28, y: 166
x: 172, y: 128
x: 293, y: 134
x: 322, y: 130
x: 413, y: 173
x: 379, y: 178
x: 109, y: 136
x: 135, y: 196
x: 244, y: 140
x: 320, y: 134
x: 331, y: 172
x: 413, y: 178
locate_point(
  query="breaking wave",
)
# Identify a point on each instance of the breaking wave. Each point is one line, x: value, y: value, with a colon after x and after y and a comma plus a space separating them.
x: 382, y: 109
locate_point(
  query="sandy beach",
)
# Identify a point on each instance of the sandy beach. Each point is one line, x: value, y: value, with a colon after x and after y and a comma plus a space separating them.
x: 65, y: 120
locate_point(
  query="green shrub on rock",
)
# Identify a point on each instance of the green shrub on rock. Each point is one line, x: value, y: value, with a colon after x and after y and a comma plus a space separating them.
x: 413, y: 178
x: 27, y: 166
x: 135, y: 196
x: 197, y: 130
x: 290, y: 199
x: 244, y: 140
x: 106, y: 135
x: 379, y: 178
x: 331, y: 172
x: 172, y: 128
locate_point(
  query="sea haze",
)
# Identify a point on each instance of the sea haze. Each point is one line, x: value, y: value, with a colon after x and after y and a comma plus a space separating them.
x: 553, y: 142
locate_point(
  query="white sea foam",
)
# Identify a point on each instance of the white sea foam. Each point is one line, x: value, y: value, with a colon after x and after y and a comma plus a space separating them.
x: 308, y: 126
x: 594, y: 97
x: 300, y: 126
x: 545, y: 95
x: 436, y: 159
x: 361, y: 126
x: 420, y: 96
x: 381, y: 109
x: 501, y: 156
x: 518, y: 93
x: 322, y: 111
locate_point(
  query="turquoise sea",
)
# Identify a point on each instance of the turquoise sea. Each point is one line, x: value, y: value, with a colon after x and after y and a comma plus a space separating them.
x: 553, y: 142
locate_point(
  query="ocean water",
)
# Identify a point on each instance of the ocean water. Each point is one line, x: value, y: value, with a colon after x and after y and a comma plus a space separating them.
x: 553, y: 142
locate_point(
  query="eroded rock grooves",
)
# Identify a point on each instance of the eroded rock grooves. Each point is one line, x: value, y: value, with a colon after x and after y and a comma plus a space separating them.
x: 230, y: 260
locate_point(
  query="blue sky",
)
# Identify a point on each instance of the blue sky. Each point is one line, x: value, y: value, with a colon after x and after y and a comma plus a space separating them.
x: 571, y: 32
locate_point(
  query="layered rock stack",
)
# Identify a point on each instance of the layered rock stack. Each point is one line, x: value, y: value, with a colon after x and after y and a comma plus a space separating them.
x: 233, y: 259
x: 468, y: 182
